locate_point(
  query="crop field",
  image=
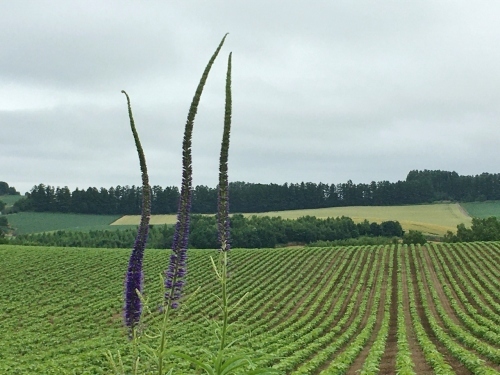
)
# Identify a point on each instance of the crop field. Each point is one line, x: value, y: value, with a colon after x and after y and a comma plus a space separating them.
x: 155, y: 220
x: 35, y: 222
x: 433, y: 309
x: 9, y: 200
x: 483, y: 209
x: 435, y: 219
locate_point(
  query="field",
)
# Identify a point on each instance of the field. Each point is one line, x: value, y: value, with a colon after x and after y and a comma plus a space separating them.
x: 9, y: 200
x: 34, y: 222
x: 435, y: 219
x: 355, y: 310
x: 483, y: 209
x: 155, y: 220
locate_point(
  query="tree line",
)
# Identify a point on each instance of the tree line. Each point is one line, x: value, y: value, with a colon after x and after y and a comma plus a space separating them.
x: 5, y: 189
x: 419, y: 187
x: 246, y: 232
x: 487, y: 229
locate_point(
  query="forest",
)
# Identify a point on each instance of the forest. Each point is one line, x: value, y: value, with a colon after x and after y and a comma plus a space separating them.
x: 419, y: 187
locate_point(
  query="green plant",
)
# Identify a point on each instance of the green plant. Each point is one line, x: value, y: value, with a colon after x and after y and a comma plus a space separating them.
x: 221, y: 362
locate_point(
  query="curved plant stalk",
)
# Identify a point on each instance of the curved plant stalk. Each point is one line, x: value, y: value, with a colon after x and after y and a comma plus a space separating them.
x: 223, y: 208
x: 134, y: 278
x: 220, y: 363
x: 177, y: 269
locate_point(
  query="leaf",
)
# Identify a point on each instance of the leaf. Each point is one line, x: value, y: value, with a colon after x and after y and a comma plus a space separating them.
x: 194, y: 361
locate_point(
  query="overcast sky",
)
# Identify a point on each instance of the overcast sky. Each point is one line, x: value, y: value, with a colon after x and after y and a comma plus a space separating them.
x: 323, y: 91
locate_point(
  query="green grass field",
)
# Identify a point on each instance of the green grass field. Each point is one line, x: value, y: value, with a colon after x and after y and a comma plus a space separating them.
x: 304, y: 310
x: 9, y: 200
x: 35, y: 222
x: 483, y: 209
x: 434, y: 219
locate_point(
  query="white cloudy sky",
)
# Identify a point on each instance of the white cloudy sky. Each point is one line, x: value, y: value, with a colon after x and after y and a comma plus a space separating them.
x: 323, y: 91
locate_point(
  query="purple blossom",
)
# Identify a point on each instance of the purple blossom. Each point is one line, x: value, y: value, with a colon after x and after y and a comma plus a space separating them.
x: 134, y: 277
x: 223, y: 224
x: 177, y: 270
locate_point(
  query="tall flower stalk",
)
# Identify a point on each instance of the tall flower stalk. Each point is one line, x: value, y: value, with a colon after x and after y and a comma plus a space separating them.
x: 223, y: 191
x: 134, y: 277
x: 222, y: 363
x: 223, y: 209
x: 177, y: 269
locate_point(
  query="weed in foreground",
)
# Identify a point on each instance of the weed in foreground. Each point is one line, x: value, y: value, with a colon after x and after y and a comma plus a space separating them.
x: 221, y: 361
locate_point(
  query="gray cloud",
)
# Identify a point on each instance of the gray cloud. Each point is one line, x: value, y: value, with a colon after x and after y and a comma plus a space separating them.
x: 323, y: 91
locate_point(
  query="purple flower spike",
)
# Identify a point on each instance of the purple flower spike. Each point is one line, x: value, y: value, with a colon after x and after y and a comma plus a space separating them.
x: 223, y: 224
x: 134, y: 277
x: 177, y: 269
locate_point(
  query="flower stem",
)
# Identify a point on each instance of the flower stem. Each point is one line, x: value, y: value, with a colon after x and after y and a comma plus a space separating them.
x: 225, y: 302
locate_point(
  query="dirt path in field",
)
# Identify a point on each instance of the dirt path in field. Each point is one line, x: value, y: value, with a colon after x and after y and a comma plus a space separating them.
x: 418, y: 358
x: 463, y: 210
x: 457, y: 367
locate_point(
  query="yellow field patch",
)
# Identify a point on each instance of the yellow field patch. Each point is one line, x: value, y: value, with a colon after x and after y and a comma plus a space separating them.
x: 155, y: 220
x: 429, y: 218
x: 434, y: 219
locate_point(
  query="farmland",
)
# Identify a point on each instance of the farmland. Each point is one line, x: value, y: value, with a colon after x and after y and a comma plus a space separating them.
x: 429, y: 309
x: 9, y: 200
x: 35, y: 222
x: 483, y: 209
x: 435, y: 219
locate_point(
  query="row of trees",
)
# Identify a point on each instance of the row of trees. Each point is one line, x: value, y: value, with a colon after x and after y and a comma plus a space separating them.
x: 124, y: 200
x: 419, y: 187
x: 5, y: 189
x: 253, y: 232
x: 4, y: 227
x: 487, y: 229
